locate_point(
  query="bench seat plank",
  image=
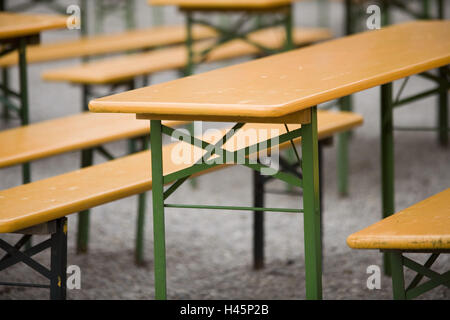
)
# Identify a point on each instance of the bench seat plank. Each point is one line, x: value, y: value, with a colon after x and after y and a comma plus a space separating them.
x: 14, y: 25
x: 75, y: 132
x: 423, y: 226
x: 124, y: 68
x: 289, y: 82
x: 108, y: 43
x: 45, y: 200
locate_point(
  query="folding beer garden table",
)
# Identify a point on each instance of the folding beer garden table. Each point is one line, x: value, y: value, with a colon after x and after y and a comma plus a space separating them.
x: 283, y: 88
x: 270, y: 13
x: 16, y: 32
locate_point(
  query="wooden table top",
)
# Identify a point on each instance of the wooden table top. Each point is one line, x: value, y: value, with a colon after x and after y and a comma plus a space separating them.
x: 14, y: 25
x: 287, y: 83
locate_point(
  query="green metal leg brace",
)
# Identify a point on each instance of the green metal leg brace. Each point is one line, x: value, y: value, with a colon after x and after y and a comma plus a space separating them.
x: 418, y: 284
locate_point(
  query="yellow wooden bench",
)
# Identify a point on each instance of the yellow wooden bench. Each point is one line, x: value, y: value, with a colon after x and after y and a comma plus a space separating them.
x: 107, y: 43
x: 42, y: 205
x: 66, y: 134
x: 423, y: 227
x: 125, y: 68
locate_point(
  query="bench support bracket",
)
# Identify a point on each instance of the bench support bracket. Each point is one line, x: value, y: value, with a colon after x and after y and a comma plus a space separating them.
x: 58, y: 260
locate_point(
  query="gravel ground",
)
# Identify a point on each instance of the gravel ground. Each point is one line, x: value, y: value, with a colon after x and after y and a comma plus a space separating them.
x: 209, y: 254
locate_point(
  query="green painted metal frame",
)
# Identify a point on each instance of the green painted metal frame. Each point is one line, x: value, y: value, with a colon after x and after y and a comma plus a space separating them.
x: 387, y: 135
x: 57, y: 243
x: 415, y: 289
x: 387, y: 107
x: 235, y: 32
x: 353, y: 14
x: 310, y: 184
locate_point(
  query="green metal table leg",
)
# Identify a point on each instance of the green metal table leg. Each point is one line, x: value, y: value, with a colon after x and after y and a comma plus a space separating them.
x: 23, y: 79
x: 83, y: 217
x: 387, y: 158
x: 441, y: 9
x: 310, y: 169
x: 443, y: 111
x: 288, y: 25
x: 159, y: 241
x: 5, y: 82
x: 140, y: 224
x: 342, y: 149
x: 258, y: 221
x: 398, y: 280
x: 189, y: 45
x: 385, y: 14
x: 426, y: 9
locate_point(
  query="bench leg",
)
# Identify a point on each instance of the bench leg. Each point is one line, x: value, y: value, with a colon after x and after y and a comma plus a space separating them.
x: 159, y: 241
x: 23, y: 83
x: 311, y: 202
x: 258, y: 221
x: 83, y: 217
x: 59, y: 261
x: 387, y: 159
x: 443, y: 110
x: 398, y: 280
x: 57, y: 243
